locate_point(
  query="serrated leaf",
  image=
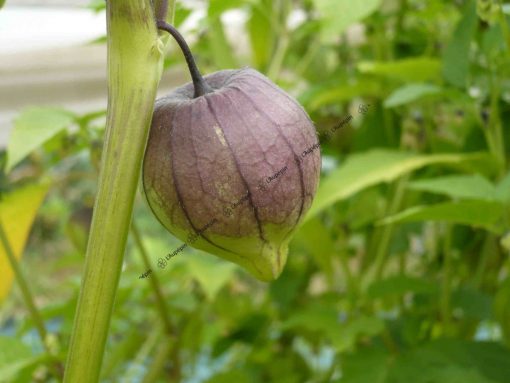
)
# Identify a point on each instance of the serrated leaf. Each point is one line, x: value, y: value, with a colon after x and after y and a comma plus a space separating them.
x: 17, y: 213
x: 33, y: 128
x: 410, y: 93
x: 477, y: 213
x: 363, y: 170
x: 458, y: 186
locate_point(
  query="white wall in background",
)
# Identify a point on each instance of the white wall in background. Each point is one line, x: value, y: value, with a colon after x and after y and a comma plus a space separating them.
x: 24, y: 29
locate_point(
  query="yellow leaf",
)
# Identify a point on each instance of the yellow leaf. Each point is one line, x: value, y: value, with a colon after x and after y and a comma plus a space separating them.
x: 17, y: 213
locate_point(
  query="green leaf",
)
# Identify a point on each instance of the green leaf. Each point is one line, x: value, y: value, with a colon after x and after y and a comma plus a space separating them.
x: 97, y: 5
x: 33, y: 128
x: 400, y: 285
x: 354, y: 367
x: 17, y: 213
x: 217, y: 7
x: 502, y: 309
x: 233, y: 376
x: 472, y: 303
x: 331, y: 93
x: 315, y: 238
x: 212, y: 274
x: 416, y: 69
x: 453, y: 361
x: 261, y: 33
x: 181, y: 14
x: 441, y: 361
x: 360, y: 326
x: 456, y: 56
x: 220, y: 49
x: 14, y: 357
x: 410, y: 93
x: 339, y: 14
x: 477, y: 213
x: 503, y: 189
x: 318, y: 318
x: 370, y: 168
x: 458, y: 186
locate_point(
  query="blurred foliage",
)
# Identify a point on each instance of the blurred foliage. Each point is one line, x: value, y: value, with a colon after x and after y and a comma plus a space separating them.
x: 399, y: 273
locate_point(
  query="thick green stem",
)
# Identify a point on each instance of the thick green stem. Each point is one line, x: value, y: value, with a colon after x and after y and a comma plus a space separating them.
x: 134, y: 67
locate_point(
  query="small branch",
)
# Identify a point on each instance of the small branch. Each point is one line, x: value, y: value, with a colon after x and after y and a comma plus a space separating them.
x: 158, y: 362
x: 161, y: 304
x: 28, y: 298
x: 446, y: 284
x: 387, y: 232
x: 504, y: 26
x: 23, y: 285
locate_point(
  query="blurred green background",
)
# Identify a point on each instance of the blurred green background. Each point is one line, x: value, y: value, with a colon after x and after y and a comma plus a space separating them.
x: 400, y: 272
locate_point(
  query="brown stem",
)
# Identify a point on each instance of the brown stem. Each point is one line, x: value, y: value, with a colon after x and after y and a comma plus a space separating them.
x: 201, y: 87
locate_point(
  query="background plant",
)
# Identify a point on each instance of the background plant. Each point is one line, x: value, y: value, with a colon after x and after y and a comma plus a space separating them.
x: 401, y: 270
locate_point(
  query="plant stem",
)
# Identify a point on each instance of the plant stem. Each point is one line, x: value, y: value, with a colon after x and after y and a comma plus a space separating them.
x: 23, y: 285
x: 161, y: 304
x: 201, y: 87
x: 142, y: 354
x: 158, y: 362
x: 387, y: 232
x: 488, y: 247
x: 277, y: 61
x: 446, y: 281
x: 28, y: 298
x: 134, y: 66
x: 495, y: 125
x: 504, y: 26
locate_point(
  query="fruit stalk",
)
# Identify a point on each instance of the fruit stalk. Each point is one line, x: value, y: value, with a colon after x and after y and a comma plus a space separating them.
x: 199, y: 83
x: 134, y: 66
